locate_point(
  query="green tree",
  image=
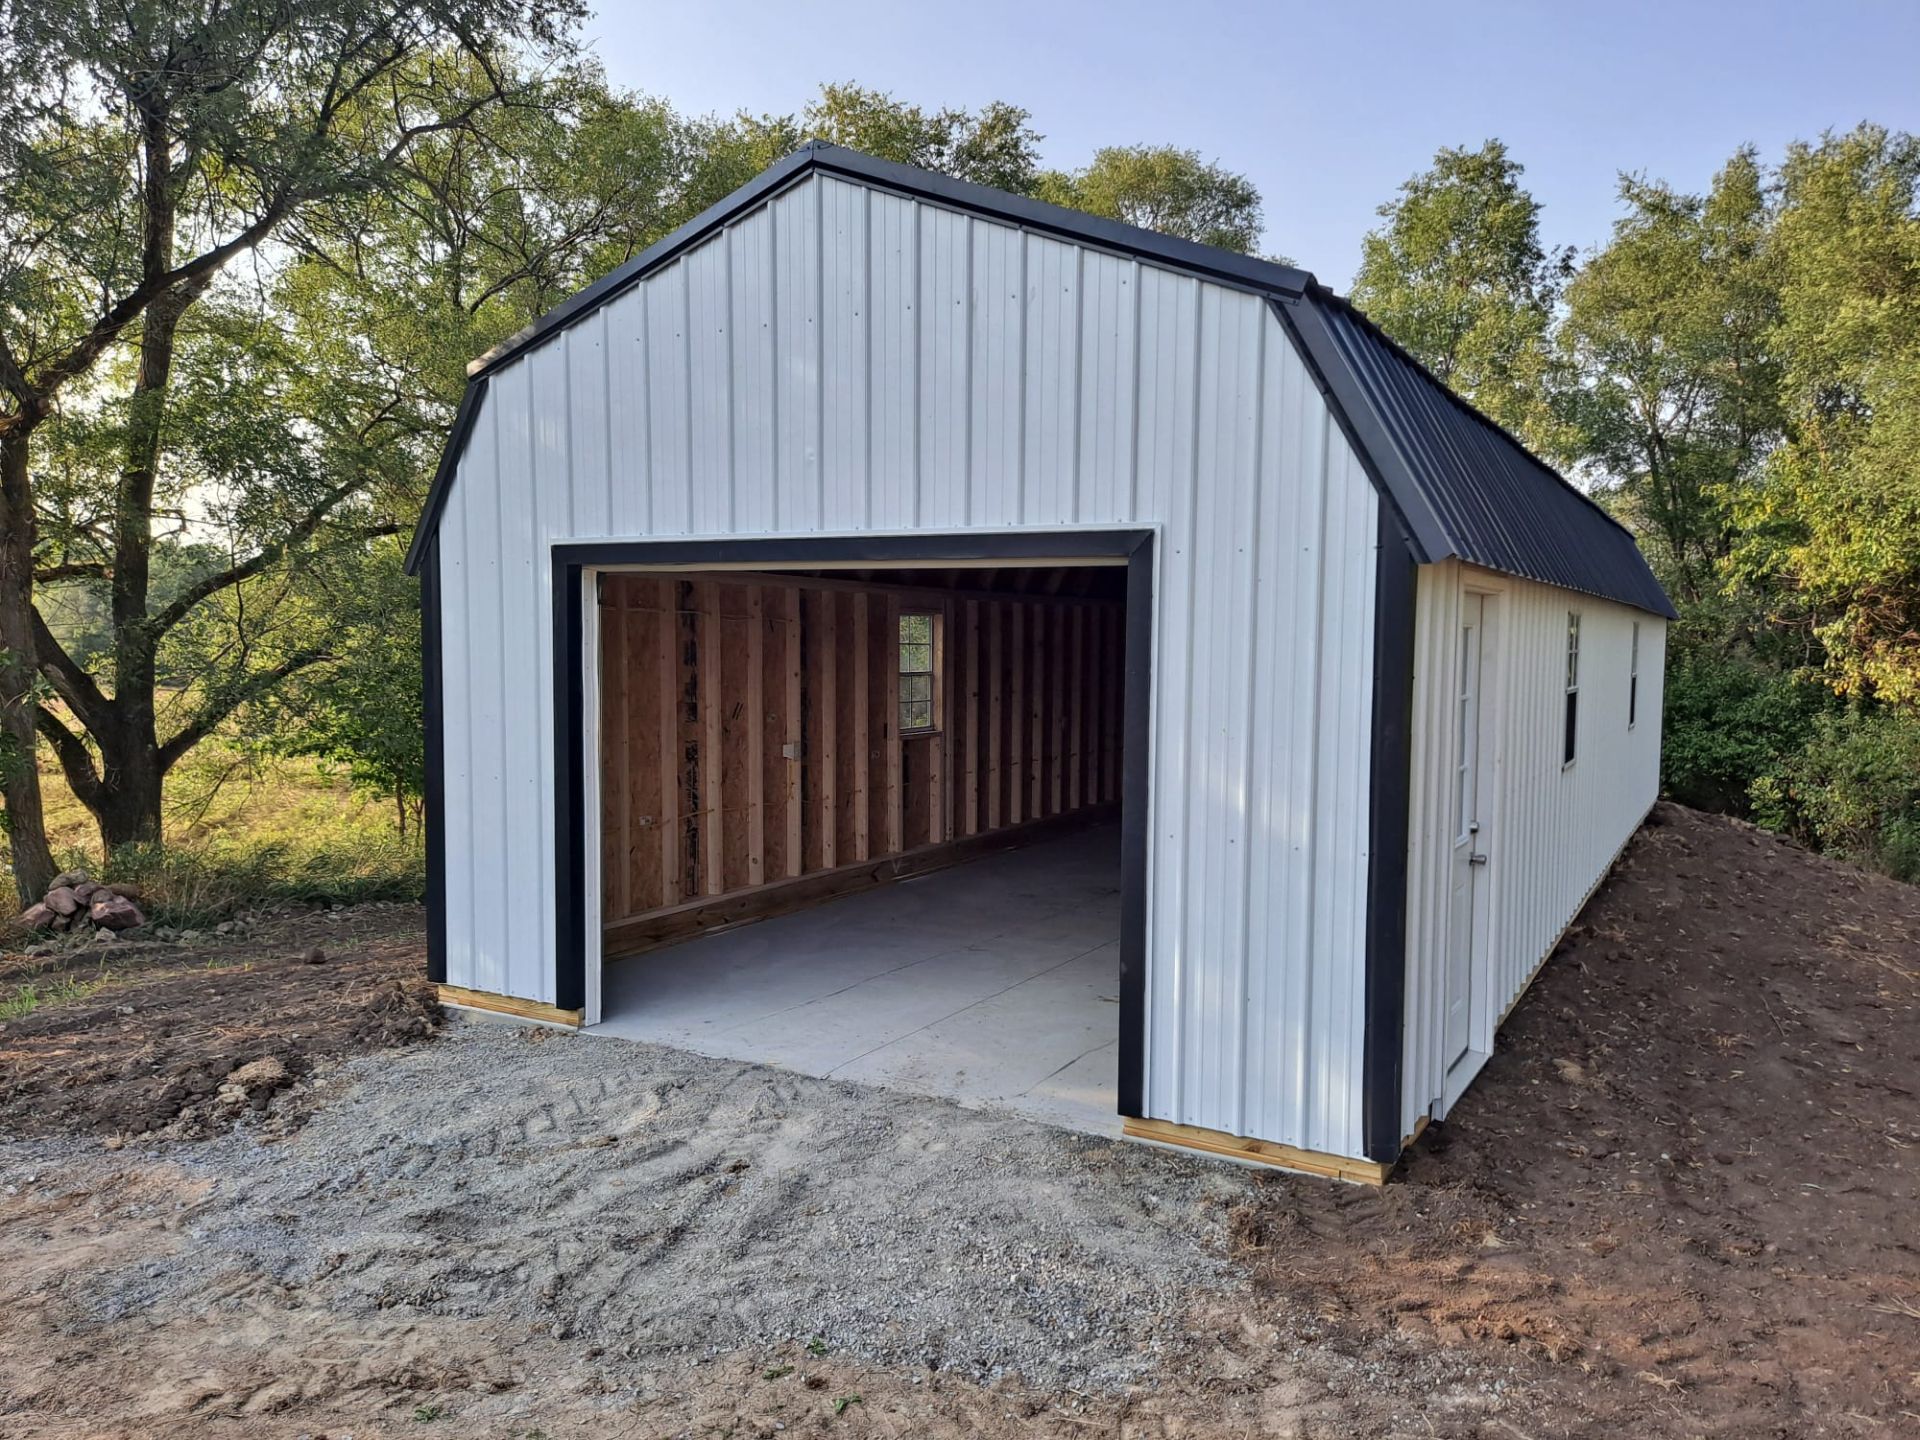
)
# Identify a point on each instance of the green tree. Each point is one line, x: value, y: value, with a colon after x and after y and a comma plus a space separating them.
x: 365, y: 711
x: 1668, y: 334
x: 994, y: 145
x: 1163, y: 188
x: 145, y: 150
x: 1458, y: 275
x: 1834, y: 529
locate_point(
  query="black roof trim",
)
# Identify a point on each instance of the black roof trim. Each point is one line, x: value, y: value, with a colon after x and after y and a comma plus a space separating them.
x: 818, y: 156
x: 1466, y: 487
x: 1459, y: 483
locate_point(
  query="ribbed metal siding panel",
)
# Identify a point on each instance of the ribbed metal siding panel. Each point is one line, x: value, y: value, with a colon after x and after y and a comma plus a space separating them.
x: 847, y: 360
x: 754, y: 419
x: 996, y: 373
x: 1052, y: 385
x: 945, y: 310
x: 846, y: 456
x: 893, y: 349
x: 1551, y: 831
x: 794, y: 347
x: 1109, y: 294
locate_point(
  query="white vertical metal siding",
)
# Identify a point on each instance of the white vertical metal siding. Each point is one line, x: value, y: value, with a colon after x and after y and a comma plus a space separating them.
x: 1551, y: 830
x: 846, y: 360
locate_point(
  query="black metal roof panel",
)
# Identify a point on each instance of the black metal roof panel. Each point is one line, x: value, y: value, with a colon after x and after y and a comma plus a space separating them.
x: 1464, y: 487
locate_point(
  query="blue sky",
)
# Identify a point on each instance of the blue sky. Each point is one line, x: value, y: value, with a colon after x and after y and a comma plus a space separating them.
x: 1328, y: 107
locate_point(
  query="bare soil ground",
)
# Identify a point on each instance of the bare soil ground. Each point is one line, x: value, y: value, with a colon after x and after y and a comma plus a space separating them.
x: 1679, y: 1202
x: 158, y: 1029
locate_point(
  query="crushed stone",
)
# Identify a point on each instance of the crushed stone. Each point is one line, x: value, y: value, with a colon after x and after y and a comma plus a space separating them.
x: 647, y: 1203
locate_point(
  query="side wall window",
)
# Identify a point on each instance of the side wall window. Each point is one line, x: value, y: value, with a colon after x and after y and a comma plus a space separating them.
x: 1573, y: 688
x: 1633, y: 680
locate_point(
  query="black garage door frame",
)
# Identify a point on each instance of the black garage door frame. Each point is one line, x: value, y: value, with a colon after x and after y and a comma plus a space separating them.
x: 1134, y: 547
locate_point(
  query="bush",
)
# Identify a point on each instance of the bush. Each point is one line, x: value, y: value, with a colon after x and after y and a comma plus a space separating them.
x: 1729, y: 721
x: 1853, y: 790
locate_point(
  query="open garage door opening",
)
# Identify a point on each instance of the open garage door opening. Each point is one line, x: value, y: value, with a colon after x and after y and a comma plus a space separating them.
x: 865, y: 822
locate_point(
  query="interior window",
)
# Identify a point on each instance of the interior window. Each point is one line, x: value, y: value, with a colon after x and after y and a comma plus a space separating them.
x: 919, y: 672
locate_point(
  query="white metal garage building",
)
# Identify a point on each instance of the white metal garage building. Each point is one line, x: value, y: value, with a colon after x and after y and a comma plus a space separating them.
x: 875, y: 521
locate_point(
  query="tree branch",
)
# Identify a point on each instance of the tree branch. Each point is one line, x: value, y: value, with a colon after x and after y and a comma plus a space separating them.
x: 14, y: 379
x: 73, y: 570
x: 234, y: 574
x: 76, y: 761
x: 71, y: 683
x: 219, y: 708
x: 192, y: 278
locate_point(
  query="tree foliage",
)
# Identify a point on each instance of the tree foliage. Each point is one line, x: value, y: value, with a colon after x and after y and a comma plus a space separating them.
x: 365, y: 712
x: 1669, y: 331
x: 1833, y: 524
x: 149, y: 153
x: 1736, y: 372
x: 1164, y: 188
x: 996, y: 145
x: 1459, y: 276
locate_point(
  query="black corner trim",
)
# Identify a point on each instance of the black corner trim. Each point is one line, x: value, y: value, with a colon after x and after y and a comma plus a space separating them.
x: 434, y: 799
x: 1389, y: 801
x: 1135, y: 844
x: 569, y: 787
x: 568, y: 679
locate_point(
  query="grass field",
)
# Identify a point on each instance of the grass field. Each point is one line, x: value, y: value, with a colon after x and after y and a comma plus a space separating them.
x: 244, y: 829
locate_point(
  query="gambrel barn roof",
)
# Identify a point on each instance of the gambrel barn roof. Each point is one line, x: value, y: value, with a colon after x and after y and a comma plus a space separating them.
x: 1460, y: 485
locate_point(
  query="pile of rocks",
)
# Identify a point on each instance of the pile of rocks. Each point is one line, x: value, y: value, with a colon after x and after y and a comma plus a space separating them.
x: 76, y: 902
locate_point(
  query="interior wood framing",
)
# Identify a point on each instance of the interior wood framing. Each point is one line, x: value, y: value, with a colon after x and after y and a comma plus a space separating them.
x: 750, y: 735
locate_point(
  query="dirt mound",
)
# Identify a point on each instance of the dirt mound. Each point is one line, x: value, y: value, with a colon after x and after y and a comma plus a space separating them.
x: 186, y: 1040
x: 1690, y: 1170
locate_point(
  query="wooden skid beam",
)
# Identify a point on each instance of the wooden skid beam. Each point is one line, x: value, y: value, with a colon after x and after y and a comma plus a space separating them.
x: 1259, y: 1152
x: 465, y: 999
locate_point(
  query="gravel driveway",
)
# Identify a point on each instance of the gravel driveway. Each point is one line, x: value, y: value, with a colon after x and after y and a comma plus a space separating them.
x: 637, y: 1205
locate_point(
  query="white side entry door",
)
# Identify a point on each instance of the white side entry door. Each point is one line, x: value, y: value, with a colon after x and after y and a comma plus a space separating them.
x: 1469, y: 837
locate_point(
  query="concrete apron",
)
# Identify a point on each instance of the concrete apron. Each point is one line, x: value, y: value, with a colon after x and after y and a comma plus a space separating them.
x: 994, y: 984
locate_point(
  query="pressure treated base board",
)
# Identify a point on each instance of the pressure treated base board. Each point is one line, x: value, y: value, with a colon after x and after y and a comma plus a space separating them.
x: 1258, y: 1152
x: 622, y: 939
x: 461, y: 998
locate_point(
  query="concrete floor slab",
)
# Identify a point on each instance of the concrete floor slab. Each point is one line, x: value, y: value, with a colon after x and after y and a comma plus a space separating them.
x: 994, y: 983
